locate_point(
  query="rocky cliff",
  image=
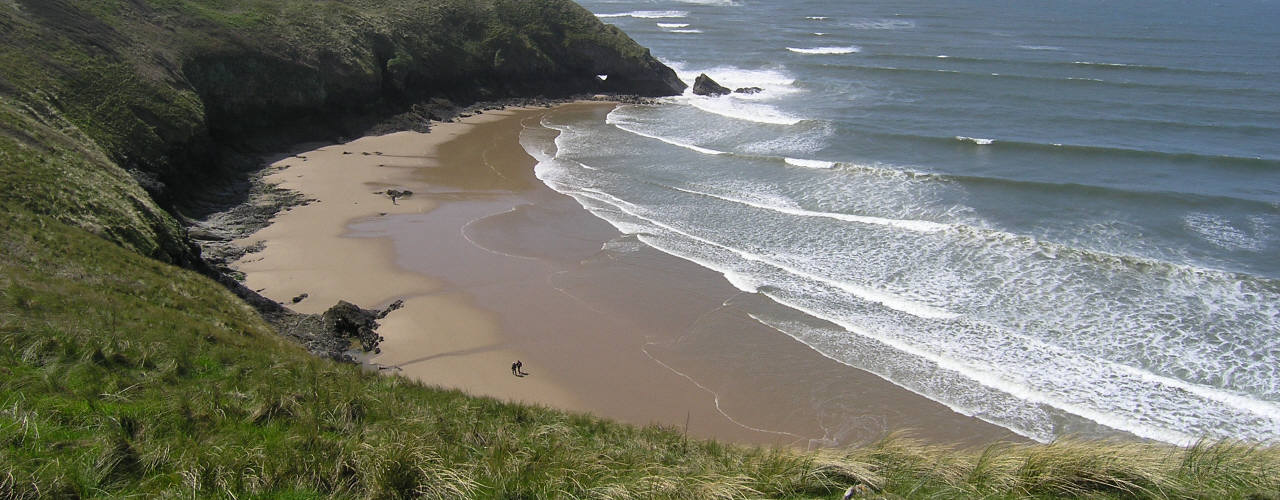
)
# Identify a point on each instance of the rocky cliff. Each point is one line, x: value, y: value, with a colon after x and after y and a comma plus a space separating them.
x: 113, y: 109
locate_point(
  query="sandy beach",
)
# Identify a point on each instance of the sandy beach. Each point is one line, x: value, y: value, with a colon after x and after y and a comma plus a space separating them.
x: 493, y: 267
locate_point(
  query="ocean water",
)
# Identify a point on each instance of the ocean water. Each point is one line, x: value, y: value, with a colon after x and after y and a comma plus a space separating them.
x: 1059, y: 217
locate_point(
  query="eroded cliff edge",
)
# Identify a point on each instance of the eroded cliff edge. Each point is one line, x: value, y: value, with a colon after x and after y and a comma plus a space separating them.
x: 115, y: 113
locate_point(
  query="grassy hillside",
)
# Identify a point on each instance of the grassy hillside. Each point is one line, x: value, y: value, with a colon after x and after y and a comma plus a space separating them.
x: 167, y: 90
x: 122, y: 374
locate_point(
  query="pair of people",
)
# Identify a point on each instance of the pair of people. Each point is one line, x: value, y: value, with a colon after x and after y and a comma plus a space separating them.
x: 517, y: 368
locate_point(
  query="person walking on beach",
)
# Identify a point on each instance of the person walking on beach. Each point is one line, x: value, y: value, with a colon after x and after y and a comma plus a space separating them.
x: 515, y: 368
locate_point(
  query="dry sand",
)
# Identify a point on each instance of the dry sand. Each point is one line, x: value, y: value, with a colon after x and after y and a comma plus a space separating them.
x: 494, y: 266
x: 306, y: 252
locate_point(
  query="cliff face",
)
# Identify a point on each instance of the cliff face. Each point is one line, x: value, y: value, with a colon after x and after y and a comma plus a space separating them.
x: 161, y: 89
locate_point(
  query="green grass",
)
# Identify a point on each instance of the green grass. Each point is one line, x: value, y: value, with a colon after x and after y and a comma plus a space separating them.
x: 48, y: 166
x: 125, y: 376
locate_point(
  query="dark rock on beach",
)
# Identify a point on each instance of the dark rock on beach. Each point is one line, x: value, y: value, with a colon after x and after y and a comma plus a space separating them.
x: 395, y: 194
x: 348, y: 321
x: 704, y: 85
x: 331, y: 334
x: 394, y: 305
x: 748, y: 90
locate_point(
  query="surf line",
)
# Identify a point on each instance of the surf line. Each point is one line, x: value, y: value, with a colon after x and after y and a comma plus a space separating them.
x: 883, y: 298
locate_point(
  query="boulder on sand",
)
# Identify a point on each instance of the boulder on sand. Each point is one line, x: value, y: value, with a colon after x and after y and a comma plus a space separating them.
x: 348, y: 321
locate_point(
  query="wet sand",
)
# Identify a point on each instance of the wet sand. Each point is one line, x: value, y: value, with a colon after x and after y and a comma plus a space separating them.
x: 494, y: 266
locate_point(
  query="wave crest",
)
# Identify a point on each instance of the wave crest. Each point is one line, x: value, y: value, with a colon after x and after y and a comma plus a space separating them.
x: 819, y: 164
x: 976, y: 140
x: 826, y: 50
x: 648, y: 14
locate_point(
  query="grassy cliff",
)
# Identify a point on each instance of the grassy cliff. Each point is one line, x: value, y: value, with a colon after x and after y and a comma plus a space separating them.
x: 163, y: 90
x: 122, y: 374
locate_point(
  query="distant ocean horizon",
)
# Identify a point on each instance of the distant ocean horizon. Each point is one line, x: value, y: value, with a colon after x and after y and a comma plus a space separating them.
x: 1061, y: 218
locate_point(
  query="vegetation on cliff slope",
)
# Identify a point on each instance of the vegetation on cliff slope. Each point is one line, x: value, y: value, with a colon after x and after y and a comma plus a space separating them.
x: 164, y: 88
x: 123, y: 375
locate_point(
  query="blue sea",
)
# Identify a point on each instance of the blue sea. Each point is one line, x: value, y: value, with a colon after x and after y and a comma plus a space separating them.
x: 1059, y: 217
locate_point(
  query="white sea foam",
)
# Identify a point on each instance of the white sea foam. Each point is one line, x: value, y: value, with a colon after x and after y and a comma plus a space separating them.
x: 799, y: 162
x: 540, y: 142
x: 815, y: 136
x: 648, y: 14
x: 826, y: 50
x: 686, y: 31
x: 992, y: 378
x: 886, y: 299
x: 724, y: 3
x: 743, y: 282
x: 1036, y: 372
x: 1039, y: 47
x: 775, y: 82
x: 885, y: 361
x: 944, y: 56
x: 1219, y: 231
x: 739, y: 281
x: 881, y: 297
x: 1044, y: 374
x: 976, y: 140
x: 1103, y: 64
x: 747, y: 107
x: 817, y: 18
x: 627, y: 127
x: 1010, y: 321
x: 741, y: 110
x: 788, y: 207
x: 673, y: 25
x: 624, y: 244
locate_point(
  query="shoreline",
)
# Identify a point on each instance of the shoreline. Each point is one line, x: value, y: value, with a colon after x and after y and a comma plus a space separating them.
x: 493, y: 266
x: 337, y: 178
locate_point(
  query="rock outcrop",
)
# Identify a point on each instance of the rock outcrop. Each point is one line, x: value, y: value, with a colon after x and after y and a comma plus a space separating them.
x: 348, y: 321
x: 704, y: 85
